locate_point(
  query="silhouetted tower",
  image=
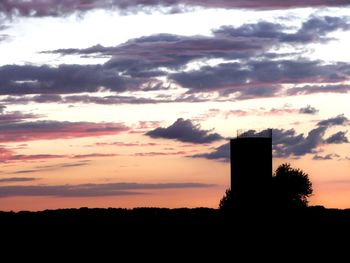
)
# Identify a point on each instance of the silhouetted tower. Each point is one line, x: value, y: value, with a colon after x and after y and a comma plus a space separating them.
x: 251, y: 169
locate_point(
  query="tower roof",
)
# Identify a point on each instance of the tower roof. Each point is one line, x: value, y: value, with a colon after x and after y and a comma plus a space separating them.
x: 267, y: 133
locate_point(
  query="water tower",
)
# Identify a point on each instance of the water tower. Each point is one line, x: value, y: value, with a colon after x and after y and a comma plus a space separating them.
x: 251, y: 169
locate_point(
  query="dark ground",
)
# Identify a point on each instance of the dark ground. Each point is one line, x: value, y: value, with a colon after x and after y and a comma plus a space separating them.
x: 200, y: 231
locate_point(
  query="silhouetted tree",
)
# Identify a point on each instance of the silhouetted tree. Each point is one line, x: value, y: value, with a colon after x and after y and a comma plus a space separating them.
x: 290, y: 187
x: 226, y: 202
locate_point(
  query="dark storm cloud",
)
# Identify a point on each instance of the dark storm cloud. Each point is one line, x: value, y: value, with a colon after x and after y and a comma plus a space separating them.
x: 17, y: 179
x: 65, y: 79
x: 41, y: 8
x: 337, y: 138
x: 308, y: 110
x: 185, y: 131
x: 91, y: 190
x: 48, y: 130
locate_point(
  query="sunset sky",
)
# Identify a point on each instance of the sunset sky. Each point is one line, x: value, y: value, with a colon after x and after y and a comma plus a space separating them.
x: 130, y: 103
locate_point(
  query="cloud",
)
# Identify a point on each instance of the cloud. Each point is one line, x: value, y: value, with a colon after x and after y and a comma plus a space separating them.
x: 270, y: 112
x: 134, y: 66
x: 93, y: 155
x: 312, y: 89
x: 64, y: 79
x: 4, y: 37
x: 308, y: 110
x: 92, y: 190
x: 52, y: 167
x: 31, y: 157
x: 285, y: 143
x: 152, y: 154
x: 337, y: 138
x: 5, y: 153
x: 17, y: 179
x: 39, y: 8
x: 123, y: 144
x: 338, y: 120
x: 221, y: 153
x: 288, y: 143
x: 52, y: 130
x: 253, y: 79
x: 100, y: 99
x: 326, y: 157
x: 185, y: 131
x: 15, y: 116
x: 313, y: 30
x: 136, y: 57
x: 9, y: 155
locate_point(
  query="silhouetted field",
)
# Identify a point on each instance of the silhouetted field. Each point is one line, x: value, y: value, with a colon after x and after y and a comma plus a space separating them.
x: 179, y: 229
x: 156, y: 220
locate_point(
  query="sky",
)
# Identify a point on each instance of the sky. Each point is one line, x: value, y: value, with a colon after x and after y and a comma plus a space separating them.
x: 117, y: 103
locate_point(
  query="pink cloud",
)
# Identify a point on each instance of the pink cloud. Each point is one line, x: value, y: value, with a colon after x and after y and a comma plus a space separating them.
x: 123, y: 144
x: 52, y: 130
x: 93, y: 155
x: 16, y: 116
x: 143, y: 154
x: 7, y: 155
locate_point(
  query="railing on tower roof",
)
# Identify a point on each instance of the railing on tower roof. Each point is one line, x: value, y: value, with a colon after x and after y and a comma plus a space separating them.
x: 267, y: 133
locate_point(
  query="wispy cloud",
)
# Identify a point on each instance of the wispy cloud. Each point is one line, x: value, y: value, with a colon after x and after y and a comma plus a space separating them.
x: 53, y: 167
x: 123, y: 144
x: 325, y: 157
x: 312, y: 89
x: 92, y: 190
x: 52, y: 130
x: 17, y: 179
x: 271, y: 112
x: 144, y: 154
x: 7, y: 155
x: 93, y: 155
